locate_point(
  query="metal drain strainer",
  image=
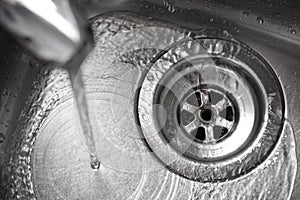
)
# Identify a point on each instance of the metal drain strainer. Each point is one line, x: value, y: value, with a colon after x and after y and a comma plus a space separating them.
x: 207, y: 115
x: 215, y: 106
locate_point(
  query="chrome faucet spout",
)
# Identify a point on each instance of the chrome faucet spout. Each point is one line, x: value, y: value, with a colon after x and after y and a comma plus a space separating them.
x: 54, y: 30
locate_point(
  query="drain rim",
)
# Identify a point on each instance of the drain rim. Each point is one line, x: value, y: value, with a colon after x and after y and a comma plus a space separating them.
x: 211, y: 172
x: 210, y: 152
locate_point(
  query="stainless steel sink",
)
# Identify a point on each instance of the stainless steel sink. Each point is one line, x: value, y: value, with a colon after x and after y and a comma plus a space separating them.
x: 271, y: 28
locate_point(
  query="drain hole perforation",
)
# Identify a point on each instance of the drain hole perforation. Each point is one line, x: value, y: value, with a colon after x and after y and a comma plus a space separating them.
x: 199, y: 133
x: 227, y: 113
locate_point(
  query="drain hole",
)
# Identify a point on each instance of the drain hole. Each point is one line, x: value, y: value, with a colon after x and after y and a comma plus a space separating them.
x: 186, y: 117
x: 194, y: 99
x: 219, y: 132
x: 227, y: 113
x: 199, y: 133
x: 206, y: 114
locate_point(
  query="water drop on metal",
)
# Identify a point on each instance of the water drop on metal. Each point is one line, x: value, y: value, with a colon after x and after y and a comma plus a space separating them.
x: 291, y: 30
x: 260, y: 20
x: 95, y: 164
x: 170, y: 6
x: 2, y: 137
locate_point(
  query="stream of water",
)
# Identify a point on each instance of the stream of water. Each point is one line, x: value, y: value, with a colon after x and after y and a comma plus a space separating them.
x: 83, y: 111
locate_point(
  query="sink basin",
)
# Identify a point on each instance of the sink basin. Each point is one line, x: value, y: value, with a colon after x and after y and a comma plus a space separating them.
x: 270, y: 28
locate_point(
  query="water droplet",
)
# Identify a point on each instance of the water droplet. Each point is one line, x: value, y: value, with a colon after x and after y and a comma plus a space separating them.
x: 291, y: 30
x: 260, y: 20
x: 170, y: 6
x: 95, y: 164
x: 2, y: 137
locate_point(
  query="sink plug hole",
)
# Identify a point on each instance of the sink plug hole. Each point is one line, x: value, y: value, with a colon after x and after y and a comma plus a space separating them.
x: 227, y: 113
x: 206, y: 114
x: 199, y: 133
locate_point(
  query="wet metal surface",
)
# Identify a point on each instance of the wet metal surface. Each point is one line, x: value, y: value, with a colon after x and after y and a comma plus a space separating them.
x: 278, y: 49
